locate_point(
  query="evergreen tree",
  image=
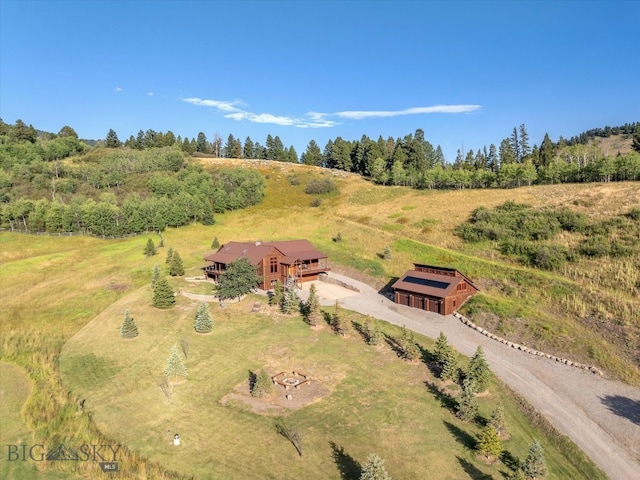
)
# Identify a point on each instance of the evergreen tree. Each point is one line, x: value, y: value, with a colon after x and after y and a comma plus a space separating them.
x: 278, y: 293
x: 514, y: 142
x: 386, y: 253
x: 175, y: 366
x: 441, y: 349
x: 238, y: 279
x: 202, y: 145
x: 312, y: 155
x: 408, y: 348
x: 547, y: 151
x: 203, y: 322
x: 290, y: 299
x: 215, y: 244
x: 112, y: 140
x: 525, y: 149
x: 498, y: 421
x: 176, y: 268
x: 169, y: 256
x: 467, y: 402
x: 534, y: 466
x: 479, y: 369
x: 163, y: 294
x: 450, y: 369
x: 261, y: 385
x: 373, y: 335
x: 313, y: 307
x: 489, y: 444
x: 635, y: 142
x: 149, y: 248
x: 248, y: 151
x: 374, y: 469
x: 128, y: 328
x: 155, y: 275
x: 339, y: 323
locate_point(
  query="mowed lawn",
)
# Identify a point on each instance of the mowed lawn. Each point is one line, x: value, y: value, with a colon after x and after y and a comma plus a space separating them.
x: 376, y: 402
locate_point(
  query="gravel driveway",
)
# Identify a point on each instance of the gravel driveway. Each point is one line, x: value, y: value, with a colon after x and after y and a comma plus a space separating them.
x: 601, y: 416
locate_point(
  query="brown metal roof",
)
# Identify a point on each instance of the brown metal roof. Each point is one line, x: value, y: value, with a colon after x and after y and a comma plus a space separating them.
x: 432, y: 284
x: 256, y: 251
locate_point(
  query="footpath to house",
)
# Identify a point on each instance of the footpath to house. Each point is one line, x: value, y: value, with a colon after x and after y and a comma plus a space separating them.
x: 598, y: 415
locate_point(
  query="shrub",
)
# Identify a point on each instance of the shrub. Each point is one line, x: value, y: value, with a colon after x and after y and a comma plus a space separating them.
x: 595, y: 246
x: 320, y: 186
x: 634, y: 214
x: 316, y: 202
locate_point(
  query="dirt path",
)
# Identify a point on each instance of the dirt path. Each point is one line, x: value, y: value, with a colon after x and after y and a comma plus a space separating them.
x: 601, y: 416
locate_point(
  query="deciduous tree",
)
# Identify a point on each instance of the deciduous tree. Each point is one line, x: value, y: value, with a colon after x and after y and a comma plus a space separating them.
x: 238, y: 279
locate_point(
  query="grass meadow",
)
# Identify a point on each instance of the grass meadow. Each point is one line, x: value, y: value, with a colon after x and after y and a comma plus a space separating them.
x: 52, y: 288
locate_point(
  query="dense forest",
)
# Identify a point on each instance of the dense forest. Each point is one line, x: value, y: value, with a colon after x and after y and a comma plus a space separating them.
x: 60, y: 183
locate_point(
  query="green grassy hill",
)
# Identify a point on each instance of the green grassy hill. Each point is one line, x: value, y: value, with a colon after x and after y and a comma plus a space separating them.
x: 51, y: 288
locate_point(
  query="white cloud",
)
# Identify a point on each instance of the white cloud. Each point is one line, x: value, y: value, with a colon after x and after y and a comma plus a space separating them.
x: 150, y: 94
x: 118, y: 89
x: 361, y: 114
x: 318, y: 119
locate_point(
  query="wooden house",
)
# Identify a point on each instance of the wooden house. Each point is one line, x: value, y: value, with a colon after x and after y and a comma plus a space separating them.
x: 434, y: 289
x: 296, y: 259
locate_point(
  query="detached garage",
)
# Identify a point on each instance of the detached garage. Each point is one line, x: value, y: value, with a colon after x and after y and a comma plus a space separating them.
x: 434, y: 289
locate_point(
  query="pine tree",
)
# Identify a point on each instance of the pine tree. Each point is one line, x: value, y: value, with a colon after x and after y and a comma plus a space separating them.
x: 479, y: 369
x: 215, y: 244
x: 517, y: 474
x: 176, y: 268
x: 635, y: 142
x: 161, y: 242
x: 373, y: 335
x: 169, y: 256
x: 441, y: 349
x: 498, y: 421
x: 467, y: 402
x: 374, y: 469
x: 489, y: 444
x: 514, y: 142
x: 203, y: 322
x: 112, y: 140
x: 290, y: 299
x: 163, y: 294
x: 525, y: 149
x: 408, y: 348
x: 175, y: 367
x: 278, y: 293
x: 262, y: 385
x: 313, y: 307
x: 534, y: 466
x: 450, y: 369
x: 129, y: 328
x: 149, y: 248
x: 155, y: 275
x: 386, y: 253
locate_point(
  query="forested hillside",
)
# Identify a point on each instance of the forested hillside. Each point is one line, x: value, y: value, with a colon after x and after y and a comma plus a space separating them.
x: 59, y: 183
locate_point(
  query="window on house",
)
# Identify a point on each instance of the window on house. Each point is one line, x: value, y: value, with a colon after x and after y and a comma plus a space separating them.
x: 273, y: 262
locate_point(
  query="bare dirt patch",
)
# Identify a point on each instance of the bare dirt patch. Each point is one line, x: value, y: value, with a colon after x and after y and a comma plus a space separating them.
x: 277, y: 403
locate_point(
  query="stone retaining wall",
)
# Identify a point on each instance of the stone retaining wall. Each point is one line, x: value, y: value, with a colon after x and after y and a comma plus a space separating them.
x: 518, y: 346
x: 323, y: 277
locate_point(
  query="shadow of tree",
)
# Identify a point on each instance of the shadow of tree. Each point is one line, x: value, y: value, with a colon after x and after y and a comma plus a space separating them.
x: 358, y: 327
x: 461, y: 436
x: 349, y: 467
x: 393, y: 344
x: 429, y: 360
x: 446, y: 400
x: 510, y: 461
x: 473, y: 471
x: 623, y: 407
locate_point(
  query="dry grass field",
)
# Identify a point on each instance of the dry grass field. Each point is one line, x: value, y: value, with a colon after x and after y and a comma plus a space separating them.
x: 51, y: 288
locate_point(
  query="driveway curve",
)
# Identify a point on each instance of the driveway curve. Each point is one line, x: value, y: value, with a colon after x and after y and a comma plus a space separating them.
x: 601, y: 416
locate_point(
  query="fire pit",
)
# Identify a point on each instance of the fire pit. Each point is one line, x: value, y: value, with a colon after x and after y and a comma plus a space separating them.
x: 295, y: 379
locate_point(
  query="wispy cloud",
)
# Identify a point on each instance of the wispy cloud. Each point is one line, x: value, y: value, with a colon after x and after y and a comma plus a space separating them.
x: 150, y: 94
x: 361, y: 114
x: 232, y: 110
x: 118, y: 89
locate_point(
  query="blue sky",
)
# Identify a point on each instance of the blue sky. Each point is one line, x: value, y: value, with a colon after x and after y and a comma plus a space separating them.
x: 464, y: 72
